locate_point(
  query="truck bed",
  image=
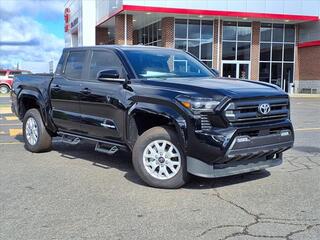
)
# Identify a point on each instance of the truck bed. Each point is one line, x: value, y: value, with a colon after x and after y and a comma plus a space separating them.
x: 35, y: 82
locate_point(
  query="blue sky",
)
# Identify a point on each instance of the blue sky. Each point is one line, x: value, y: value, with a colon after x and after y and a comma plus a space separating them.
x: 32, y: 33
x: 56, y: 26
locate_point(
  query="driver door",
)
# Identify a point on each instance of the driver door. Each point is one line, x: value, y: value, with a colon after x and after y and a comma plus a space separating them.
x: 101, y: 103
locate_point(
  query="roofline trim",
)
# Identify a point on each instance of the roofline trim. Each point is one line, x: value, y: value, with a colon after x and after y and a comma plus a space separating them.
x: 218, y: 13
x: 309, y: 44
x: 106, y: 18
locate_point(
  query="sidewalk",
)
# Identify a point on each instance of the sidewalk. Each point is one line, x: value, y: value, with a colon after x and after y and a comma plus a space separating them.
x: 303, y: 95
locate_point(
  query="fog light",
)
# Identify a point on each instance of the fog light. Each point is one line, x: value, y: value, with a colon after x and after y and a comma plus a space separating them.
x: 230, y: 114
x: 218, y: 138
x: 243, y: 139
x: 285, y: 133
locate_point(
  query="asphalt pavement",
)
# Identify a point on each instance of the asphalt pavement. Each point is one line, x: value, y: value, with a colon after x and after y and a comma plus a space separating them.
x: 73, y: 192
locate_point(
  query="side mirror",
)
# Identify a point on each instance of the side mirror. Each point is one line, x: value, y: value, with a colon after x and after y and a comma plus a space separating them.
x: 107, y: 75
x: 10, y: 76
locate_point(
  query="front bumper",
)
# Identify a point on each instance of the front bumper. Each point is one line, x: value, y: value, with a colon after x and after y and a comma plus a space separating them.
x: 202, y: 169
x: 234, y: 151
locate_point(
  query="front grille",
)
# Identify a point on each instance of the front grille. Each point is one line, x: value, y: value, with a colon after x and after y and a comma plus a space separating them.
x: 242, y: 112
x: 205, y: 122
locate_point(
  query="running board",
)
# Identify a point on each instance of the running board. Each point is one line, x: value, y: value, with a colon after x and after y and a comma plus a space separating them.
x: 70, y: 140
x: 108, y: 145
x: 103, y: 149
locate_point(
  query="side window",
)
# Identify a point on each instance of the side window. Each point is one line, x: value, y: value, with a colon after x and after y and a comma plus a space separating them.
x: 75, y: 64
x: 103, y: 60
x: 60, y: 63
x: 13, y: 73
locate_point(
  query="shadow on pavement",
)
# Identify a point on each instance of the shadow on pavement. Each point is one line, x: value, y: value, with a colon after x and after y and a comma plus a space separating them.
x: 122, y: 161
x: 206, y: 183
x: 85, y: 151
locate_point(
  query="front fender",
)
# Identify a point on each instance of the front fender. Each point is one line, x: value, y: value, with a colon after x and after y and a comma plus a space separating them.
x: 174, y: 116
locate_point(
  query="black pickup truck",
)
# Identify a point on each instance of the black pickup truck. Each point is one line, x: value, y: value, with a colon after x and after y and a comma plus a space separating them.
x: 175, y: 115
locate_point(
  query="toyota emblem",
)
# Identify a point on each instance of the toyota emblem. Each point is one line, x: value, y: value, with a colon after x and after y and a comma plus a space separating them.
x: 264, y: 108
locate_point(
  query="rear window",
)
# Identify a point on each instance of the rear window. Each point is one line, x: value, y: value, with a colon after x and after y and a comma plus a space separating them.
x: 74, y: 65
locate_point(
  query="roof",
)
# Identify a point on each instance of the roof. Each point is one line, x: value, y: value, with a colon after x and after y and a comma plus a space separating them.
x: 119, y: 47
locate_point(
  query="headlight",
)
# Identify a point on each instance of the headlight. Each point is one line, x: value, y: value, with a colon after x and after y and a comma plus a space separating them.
x: 198, y: 104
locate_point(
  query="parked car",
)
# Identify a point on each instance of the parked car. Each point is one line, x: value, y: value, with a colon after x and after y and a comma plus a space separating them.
x: 6, y: 79
x: 174, y: 114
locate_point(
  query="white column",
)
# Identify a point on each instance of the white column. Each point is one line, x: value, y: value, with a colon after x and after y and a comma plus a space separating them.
x: 88, y: 23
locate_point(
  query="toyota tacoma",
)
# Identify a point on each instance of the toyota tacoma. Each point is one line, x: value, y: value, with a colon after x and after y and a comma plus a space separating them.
x: 174, y: 114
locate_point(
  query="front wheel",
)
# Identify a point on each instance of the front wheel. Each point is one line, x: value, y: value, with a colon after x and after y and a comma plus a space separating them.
x: 159, y: 159
x: 36, y: 137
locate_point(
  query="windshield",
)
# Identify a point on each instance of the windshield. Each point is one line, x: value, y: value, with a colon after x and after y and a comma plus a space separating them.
x: 165, y: 63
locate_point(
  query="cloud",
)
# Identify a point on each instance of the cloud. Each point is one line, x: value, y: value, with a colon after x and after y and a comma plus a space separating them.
x: 32, y: 42
x: 25, y: 40
x: 49, y: 9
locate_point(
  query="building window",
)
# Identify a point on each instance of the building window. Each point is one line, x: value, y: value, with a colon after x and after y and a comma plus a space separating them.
x: 236, y: 41
x: 150, y: 35
x: 196, y: 37
x: 236, y: 45
x: 277, y: 54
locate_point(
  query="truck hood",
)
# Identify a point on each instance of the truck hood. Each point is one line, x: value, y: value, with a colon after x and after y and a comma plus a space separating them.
x: 234, y: 88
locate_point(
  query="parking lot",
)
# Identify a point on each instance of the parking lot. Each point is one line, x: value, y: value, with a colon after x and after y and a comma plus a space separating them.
x: 73, y: 192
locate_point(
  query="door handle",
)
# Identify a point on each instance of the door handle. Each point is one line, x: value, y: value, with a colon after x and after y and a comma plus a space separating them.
x: 105, y: 125
x: 56, y: 87
x: 85, y: 91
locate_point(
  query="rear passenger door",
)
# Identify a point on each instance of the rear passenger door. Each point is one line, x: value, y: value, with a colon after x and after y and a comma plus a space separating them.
x: 101, y: 102
x: 65, y: 91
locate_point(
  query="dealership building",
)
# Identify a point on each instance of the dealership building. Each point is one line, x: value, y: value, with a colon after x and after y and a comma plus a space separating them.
x: 275, y: 41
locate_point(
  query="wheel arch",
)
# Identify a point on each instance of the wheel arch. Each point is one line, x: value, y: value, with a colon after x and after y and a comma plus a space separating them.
x: 28, y: 99
x: 7, y: 84
x: 143, y: 116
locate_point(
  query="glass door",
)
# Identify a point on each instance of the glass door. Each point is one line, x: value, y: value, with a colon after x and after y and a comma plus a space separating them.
x: 229, y: 70
x: 236, y: 69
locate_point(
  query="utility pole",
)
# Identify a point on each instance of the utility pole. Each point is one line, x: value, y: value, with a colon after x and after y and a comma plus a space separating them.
x: 51, y: 66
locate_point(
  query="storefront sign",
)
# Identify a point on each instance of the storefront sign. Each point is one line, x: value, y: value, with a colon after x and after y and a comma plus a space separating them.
x: 66, y: 19
x: 74, y: 23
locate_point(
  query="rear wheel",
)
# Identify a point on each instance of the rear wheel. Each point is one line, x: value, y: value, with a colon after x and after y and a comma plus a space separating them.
x: 4, y: 89
x: 36, y: 137
x: 159, y: 159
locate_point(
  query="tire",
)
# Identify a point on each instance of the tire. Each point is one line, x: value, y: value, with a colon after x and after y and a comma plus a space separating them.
x: 167, y: 167
x: 42, y: 142
x: 4, y: 89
